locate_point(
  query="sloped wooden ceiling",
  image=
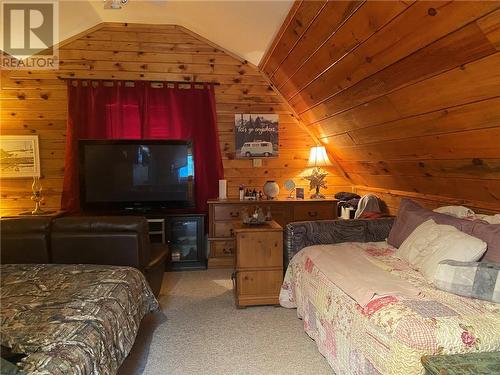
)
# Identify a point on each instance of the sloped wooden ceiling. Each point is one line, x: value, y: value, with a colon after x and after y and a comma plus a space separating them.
x: 35, y: 102
x: 405, y: 94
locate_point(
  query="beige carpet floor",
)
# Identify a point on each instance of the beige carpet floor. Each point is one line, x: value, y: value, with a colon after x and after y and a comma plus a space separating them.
x: 201, y: 332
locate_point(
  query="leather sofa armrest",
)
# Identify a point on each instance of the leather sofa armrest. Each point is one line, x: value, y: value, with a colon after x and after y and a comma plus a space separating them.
x: 159, y: 253
x: 322, y: 232
x: 155, y: 269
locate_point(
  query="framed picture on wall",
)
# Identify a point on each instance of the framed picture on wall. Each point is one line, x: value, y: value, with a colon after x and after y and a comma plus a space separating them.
x: 256, y: 135
x: 19, y: 156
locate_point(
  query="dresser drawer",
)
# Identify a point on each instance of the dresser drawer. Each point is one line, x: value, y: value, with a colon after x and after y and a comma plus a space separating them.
x: 222, y: 248
x: 228, y: 212
x: 224, y: 228
x: 312, y: 211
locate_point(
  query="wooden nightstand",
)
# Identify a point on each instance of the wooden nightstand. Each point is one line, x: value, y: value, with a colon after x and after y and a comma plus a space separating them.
x: 259, y: 264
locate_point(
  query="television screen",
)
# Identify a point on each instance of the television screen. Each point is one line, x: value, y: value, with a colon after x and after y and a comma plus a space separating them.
x: 128, y: 174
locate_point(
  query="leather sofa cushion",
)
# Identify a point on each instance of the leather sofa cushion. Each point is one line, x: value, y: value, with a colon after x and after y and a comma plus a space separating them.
x: 25, y: 240
x: 115, y: 249
x: 101, y: 224
x: 117, y: 240
x: 25, y: 225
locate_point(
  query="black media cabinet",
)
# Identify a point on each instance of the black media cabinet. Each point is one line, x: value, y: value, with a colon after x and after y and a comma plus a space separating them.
x: 185, y: 236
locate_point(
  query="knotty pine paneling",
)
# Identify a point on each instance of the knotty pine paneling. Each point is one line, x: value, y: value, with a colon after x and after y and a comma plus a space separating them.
x: 404, y: 94
x: 34, y: 102
x: 391, y: 200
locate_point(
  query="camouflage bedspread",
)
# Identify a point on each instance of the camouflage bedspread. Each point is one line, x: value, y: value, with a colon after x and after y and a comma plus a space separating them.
x: 72, y: 319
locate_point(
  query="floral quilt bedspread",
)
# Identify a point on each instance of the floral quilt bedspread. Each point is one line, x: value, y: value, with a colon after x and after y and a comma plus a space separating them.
x: 72, y: 319
x: 390, y: 334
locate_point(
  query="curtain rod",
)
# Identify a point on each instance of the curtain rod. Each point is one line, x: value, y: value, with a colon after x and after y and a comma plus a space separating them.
x: 143, y: 80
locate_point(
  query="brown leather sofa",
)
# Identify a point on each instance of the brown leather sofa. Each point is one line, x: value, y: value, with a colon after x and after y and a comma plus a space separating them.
x: 110, y: 240
x: 25, y: 240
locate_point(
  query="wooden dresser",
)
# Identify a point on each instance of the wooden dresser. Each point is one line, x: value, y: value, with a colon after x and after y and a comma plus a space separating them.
x: 225, y: 215
x: 259, y: 264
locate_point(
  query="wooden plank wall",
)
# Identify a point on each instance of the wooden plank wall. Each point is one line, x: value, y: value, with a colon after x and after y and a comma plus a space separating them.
x: 392, y: 198
x: 34, y: 102
x: 405, y: 94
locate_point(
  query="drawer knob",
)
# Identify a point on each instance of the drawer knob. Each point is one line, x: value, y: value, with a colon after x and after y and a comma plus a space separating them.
x: 227, y: 251
x: 234, y: 214
x: 231, y: 232
x: 312, y: 213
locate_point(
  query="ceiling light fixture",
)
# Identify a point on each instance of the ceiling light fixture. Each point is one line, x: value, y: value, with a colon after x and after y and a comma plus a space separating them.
x: 114, y: 4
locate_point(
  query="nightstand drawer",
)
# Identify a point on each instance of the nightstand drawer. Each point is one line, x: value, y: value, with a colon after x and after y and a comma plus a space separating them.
x: 228, y: 212
x: 259, y: 283
x: 313, y: 211
x: 222, y: 248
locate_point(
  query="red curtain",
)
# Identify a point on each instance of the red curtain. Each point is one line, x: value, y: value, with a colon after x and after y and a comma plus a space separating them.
x: 123, y: 110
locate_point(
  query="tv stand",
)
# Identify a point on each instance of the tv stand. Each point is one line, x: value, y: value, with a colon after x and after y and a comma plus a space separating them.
x: 142, y: 210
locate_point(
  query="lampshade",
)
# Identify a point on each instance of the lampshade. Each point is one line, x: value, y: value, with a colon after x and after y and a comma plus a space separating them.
x: 318, y: 157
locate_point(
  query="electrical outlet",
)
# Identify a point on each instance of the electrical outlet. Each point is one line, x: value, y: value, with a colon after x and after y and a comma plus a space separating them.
x: 257, y: 163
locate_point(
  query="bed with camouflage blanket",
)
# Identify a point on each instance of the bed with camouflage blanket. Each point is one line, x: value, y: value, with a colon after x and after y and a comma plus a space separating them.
x: 72, y: 319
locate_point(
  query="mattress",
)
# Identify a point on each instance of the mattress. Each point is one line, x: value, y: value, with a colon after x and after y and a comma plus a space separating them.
x: 391, y: 333
x: 72, y: 319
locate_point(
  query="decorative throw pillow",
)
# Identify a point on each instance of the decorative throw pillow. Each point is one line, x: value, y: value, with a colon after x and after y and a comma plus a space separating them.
x: 469, y: 279
x: 411, y: 215
x: 431, y: 243
x: 458, y: 211
x: 489, y: 233
x: 490, y: 219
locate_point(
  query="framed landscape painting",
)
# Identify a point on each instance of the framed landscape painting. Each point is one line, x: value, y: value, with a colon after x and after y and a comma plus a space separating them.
x: 256, y: 135
x: 19, y: 156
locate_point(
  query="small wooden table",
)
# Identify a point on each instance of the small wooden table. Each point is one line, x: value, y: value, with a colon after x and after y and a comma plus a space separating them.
x: 259, y: 264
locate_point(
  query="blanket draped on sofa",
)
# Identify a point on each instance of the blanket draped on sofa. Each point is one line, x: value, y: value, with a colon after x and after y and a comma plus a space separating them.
x: 72, y: 319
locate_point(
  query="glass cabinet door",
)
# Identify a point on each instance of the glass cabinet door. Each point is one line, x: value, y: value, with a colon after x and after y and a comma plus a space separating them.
x: 186, y: 241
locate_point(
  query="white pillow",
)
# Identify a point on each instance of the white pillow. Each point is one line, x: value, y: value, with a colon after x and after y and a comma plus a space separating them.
x: 430, y: 243
x: 458, y: 211
x: 490, y: 219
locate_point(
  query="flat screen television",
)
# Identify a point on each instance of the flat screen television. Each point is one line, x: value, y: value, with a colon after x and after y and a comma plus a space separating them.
x: 137, y: 175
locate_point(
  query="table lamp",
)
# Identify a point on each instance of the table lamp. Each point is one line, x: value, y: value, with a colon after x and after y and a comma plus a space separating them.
x: 318, y: 158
